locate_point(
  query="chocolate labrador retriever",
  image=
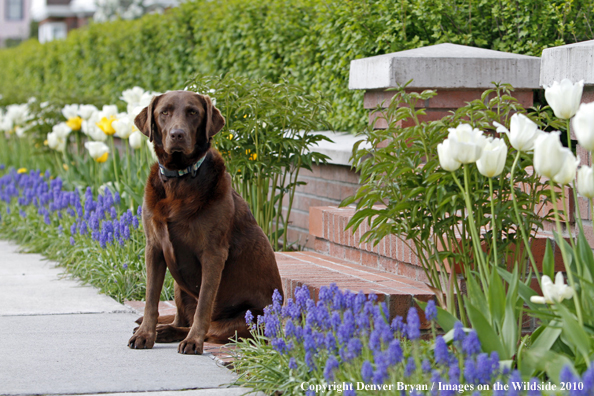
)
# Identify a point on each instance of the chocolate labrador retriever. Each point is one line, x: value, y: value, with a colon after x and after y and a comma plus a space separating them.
x: 201, y: 229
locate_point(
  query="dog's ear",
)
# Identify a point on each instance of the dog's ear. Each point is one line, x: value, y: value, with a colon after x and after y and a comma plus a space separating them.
x: 214, y: 120
x: 145, y: 121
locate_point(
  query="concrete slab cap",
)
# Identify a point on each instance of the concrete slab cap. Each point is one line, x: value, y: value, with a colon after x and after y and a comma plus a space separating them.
x: 449, y: 66
x: 572, y: 61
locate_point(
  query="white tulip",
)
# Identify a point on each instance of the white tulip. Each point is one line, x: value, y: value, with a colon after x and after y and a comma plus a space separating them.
x: 585, y: 182
x: 492, y: 160
x: 97, y: 150
x: 564, y: 98
x: 90, y: 128
x: 18, y: 114
x: 62, y: 130
x: 56, y: 142
x: 86, y: 111
x: 135, y: 140
x: 146, y: 98
x: 151, y: 147
x: 568, y: 168
x: 523, y: 132
x: 548, y: 154
x: 123, y: 127
x: 108, y: 111
x: 553, y: 292
x: 70, y: 111
x: 20, y: 131
x: 466, y: 143
x: 583, y: 125
x: 132, y: 95
x: 446, y: 160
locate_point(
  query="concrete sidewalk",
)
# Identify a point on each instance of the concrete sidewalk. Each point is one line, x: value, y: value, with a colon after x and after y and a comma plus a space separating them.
x: 59, y: 337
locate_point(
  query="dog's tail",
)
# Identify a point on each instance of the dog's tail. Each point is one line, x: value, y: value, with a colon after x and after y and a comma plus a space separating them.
x: 163, y: 319
x: 221, y: 330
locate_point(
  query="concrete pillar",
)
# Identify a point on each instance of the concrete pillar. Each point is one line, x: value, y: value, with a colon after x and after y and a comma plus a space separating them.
x: 459, y: 73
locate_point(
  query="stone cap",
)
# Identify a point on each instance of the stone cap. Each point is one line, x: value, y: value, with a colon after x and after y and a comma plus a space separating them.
x: 572, y: 61
x: 449, y: 66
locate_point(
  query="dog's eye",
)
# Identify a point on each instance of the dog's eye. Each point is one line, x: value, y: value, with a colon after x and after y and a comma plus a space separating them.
x: 165, y: 112
x: 192, y: 112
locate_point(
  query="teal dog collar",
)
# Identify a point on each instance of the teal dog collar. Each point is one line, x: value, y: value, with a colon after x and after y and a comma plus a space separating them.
x: 193, y: 169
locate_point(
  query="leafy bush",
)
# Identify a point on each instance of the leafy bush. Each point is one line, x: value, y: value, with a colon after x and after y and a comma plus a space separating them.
x: 308, y: 42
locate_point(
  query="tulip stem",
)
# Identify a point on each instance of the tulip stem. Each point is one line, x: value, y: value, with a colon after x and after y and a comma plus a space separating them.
x: 493, y: 222
x: 476, y: 242
x: 578, y: 307
x: 520, y: 222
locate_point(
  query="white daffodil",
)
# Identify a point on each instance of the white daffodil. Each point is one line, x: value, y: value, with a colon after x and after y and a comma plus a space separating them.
x: 548, y: 154
x: 109, y: 110
x: 553, y: 292
x: 99, y: 151
x: 585, y: 182
x: 583, y: 125
x: 18, y: 114
x: 444, y: 153
x: 70, y: 111
x: 123, y: 126
x: 492, y: 161
x: 90, y: 128
x: 62, y: 130
x: 564, y: 98
x: 56, y: 142
x: 86, y: 111
x: 135, y: 140
x: 132, y: 95
x: 523, y: 132
x: 466, y: 143
x: 566, y: 174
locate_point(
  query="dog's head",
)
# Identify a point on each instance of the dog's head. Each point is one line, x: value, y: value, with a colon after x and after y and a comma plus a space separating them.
x: 181, y: 125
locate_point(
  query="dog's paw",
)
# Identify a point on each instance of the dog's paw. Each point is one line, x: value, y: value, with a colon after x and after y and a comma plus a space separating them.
x: 142, y: 340
x: 191, y: 346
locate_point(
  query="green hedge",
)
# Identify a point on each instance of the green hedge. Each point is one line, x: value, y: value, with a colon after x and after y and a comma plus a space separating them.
x: 309, y: 42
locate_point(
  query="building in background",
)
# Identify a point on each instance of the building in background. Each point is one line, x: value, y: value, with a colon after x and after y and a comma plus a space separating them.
x: 15, y: 21
x: 57, y: 17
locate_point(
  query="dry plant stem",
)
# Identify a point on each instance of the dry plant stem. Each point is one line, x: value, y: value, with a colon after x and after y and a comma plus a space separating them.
x: 520, y: 222
x: 578, y: 306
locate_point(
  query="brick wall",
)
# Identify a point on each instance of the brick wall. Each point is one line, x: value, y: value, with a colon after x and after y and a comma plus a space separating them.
x: 327, y: 185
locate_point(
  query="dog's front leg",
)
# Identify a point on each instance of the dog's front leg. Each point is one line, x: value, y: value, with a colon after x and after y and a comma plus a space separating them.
x: 145, y: 336
x: 212, y: 269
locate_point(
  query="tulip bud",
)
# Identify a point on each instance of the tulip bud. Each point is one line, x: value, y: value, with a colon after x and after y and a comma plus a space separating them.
x: 99, y: 151
x: 566, y: 173
x: 492, y: 160
x: 583, y: 125
x: 564, y: 98
x: 466, y: 143
x: 135, y: 140
x: 585, y: 182
x: 523, y: 132
x: 548, y: 154
x: 445, y: 156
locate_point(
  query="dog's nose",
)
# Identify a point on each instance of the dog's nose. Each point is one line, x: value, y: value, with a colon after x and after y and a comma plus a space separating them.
x: 177, y: 135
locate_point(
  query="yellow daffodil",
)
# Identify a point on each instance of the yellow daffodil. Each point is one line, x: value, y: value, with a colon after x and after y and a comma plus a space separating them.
x: 22, y: 170
x: 105, y: 125
x: 99, y: 151
x: 230, y: 136
x: 74, y: 123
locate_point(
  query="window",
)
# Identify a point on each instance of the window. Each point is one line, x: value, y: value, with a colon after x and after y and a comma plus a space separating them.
x: 49, y: 31
x: 14, y: 10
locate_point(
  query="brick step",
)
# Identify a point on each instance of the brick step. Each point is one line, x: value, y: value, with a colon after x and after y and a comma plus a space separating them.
x: 391, y: 254
x: 316, y: 270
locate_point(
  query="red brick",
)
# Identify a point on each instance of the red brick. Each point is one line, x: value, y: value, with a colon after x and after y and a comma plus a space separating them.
x: 321, y: 245
x: 316, y: 225
x: 388, y: 264
x: 353, y: 255
x: 369, y: 259
x: 337, y: 251
x: 407, y: 270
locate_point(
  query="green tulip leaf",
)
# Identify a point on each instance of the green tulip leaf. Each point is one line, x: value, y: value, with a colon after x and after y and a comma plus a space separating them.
x: 489, y: 339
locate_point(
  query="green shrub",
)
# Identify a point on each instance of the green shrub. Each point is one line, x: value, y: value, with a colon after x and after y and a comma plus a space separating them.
x: 308, y: 42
